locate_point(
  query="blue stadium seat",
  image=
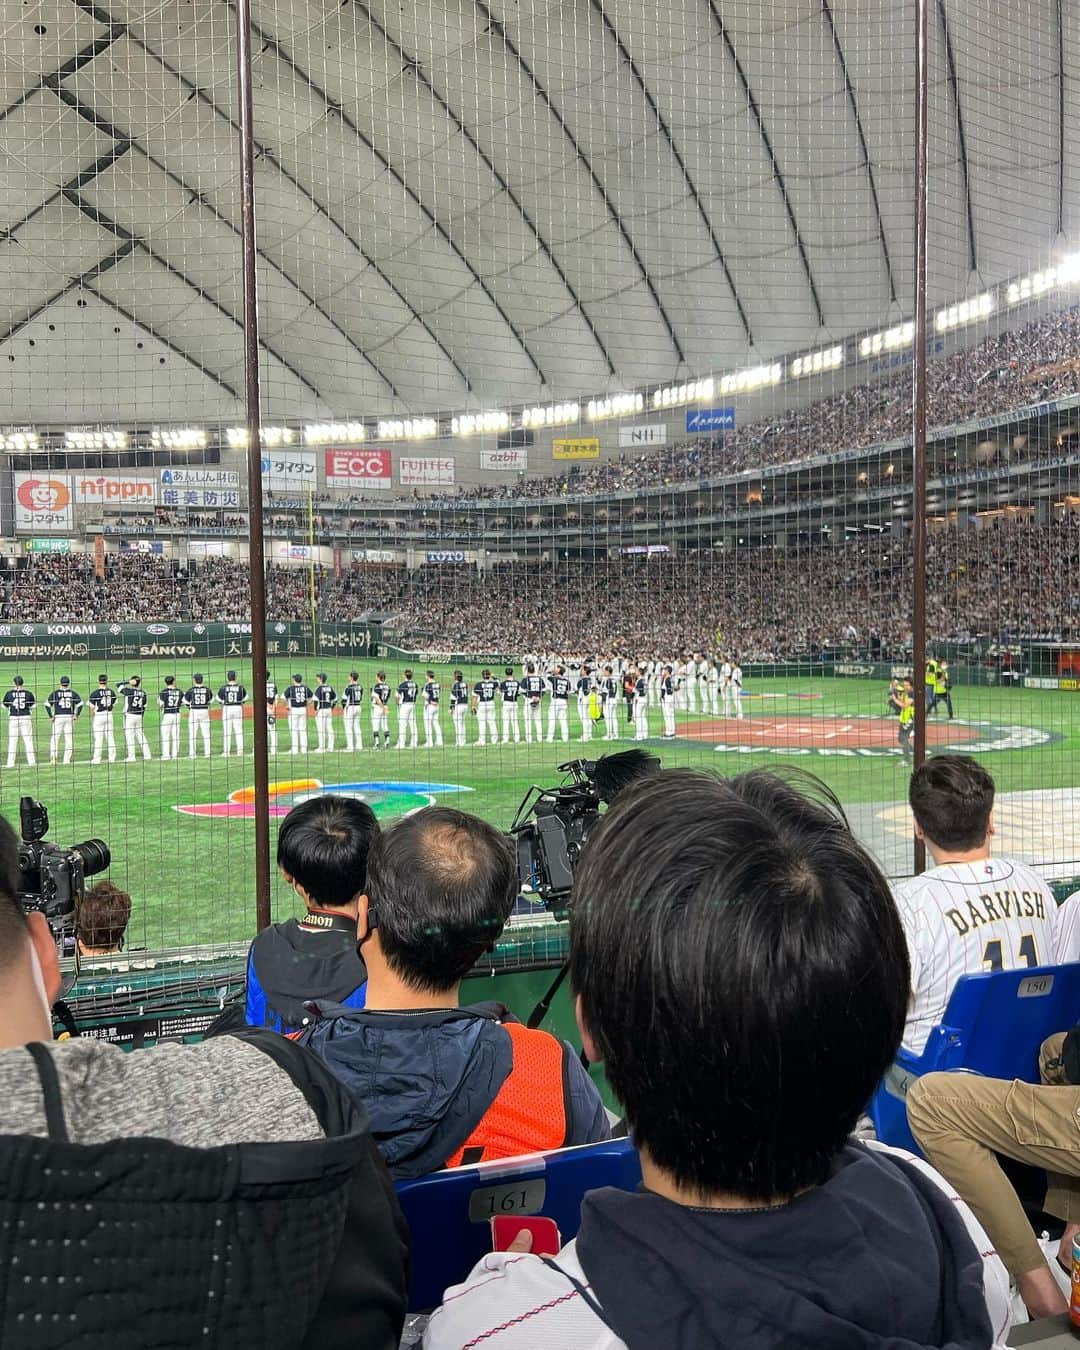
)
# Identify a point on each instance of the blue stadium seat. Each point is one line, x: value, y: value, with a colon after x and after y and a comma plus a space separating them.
x: 449, y: 1212
x: 993, y: 1026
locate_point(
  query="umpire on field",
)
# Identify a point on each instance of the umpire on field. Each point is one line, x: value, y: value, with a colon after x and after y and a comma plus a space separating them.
x: 322, y: 853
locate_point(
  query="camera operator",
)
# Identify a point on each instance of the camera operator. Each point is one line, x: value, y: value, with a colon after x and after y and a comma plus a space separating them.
x: 322, y: 853
x: 254, y: 1087
x: 103, y: 917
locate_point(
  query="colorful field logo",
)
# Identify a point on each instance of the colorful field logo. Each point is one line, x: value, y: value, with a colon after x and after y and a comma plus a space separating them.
x: 386, y: 799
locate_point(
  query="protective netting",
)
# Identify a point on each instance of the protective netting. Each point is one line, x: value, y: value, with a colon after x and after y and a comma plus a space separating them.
x: 586, y: 339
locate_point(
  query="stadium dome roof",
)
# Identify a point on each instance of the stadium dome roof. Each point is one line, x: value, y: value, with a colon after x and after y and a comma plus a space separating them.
x: 473, y: 201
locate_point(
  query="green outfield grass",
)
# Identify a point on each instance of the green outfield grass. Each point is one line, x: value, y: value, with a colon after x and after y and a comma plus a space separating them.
x: 191, y: 877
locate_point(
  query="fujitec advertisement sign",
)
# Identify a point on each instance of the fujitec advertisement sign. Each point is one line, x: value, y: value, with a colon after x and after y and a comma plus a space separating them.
x: 359, y: 469
x: 418, y: 470
x: 42, y: 502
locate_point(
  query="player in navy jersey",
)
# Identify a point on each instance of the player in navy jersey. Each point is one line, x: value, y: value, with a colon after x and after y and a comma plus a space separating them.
x: 532, y: 686
x: 271, y: 716
x: 408, y: 691
x: 484, y: 704
x: 103, y: 701
x: 667, y: 701
x: 641, y: 705
x: 609, y: 698
x: 459, y: 707
x: 325, y: 702
x: 135, y: 701
x: 298, y: 695
x: 560, y: 694
x: 584, y: 690
x: 432, y: 725
x: 170, y: 701
x: 380, y: 710
x: 232, y: 696
x: 352, y: 699
x: 63, y: 707
x: 510, y: 688
x: 19, y: 702
x: 198, y: 699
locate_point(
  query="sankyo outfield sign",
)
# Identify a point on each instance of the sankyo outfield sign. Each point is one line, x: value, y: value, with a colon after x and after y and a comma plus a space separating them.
x: 135, y: 641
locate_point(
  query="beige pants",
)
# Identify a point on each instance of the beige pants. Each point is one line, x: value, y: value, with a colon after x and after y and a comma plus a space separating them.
x: 962, y: 1120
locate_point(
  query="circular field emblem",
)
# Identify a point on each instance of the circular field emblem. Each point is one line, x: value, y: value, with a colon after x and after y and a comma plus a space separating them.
x: 854, y: 736
x: 386, y: 799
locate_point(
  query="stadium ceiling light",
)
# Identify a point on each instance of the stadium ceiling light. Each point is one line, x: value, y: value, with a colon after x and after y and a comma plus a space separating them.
x: 1066, y: 273
x: 675, y: 395
x: 753, y: 377
x: 19, y: 440
x: 813, y: 363
x: 888, y: 340
x: 178, y: 438
x: 470, y: 423
x: 272, y: 437
x: 327, y: 433
x: 109, y: 438
x: 408, y: 429
x: 964, y: 312
x: 554, y: 415
x: 618, y: 405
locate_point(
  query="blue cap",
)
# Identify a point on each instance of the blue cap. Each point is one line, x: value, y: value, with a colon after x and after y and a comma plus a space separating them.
x: 17, y: 680
x: 64, y: 679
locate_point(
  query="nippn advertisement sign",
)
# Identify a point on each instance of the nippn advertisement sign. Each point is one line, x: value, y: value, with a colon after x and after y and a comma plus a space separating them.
x: 358, y: 469
x: 42, y: 502
x: 115, y: 489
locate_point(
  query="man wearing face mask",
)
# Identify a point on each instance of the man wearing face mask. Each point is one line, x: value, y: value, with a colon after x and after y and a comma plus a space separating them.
x: 322, y: 853
x: 253, y: 1087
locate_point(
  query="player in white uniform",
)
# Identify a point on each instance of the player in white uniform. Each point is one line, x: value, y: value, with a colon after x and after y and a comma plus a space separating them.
x: 533, y: 688
x: 484, y: 704
x: 609, y: 701
x: 432, y: 726
x: 271, y: 716
x: 690, y: 676
x: 231, y: 696
x: 736, y: 686
x: 584, y: 689
x: 298, y: 695
x: 169, y: 701
x: 380, y: 711
x: 459, y: 707
x: 64, y: 706
x: 198, y: 699
x: 408, y: 691
x: 641, y: 706
x: 103, y: 701
x: 970, y: 913
x: 667, y: 701
x: 712, y: 687
x: 135, y: 701
x: 352, y: 699
x: 560, y: 696
x: 19, y: 702
x: 510, y: 688
x: 725, y: 687
x: 325, y: 703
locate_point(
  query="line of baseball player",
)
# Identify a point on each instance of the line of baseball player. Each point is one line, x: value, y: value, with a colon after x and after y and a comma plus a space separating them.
x: 597, y: 691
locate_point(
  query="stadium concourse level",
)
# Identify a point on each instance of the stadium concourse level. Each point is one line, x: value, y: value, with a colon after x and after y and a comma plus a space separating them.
x: 1014, y: 579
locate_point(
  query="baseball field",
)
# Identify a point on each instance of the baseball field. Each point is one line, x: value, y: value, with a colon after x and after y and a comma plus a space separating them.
x: 181, y: 832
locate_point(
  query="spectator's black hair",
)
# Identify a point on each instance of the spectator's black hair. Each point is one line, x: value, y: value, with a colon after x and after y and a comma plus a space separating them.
x: 742, y: 969
x: 442, y: 884
x: 324, y: 843
x: 951, y: 797
x: 12, y: 919
x: 104, y: 914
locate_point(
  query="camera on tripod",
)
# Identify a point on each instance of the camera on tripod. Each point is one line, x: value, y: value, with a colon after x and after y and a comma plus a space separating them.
x: 52, y: 879
x: 552, y: 825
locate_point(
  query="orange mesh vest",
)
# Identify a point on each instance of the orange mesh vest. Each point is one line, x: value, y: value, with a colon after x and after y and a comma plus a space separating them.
x: 530, y: 1112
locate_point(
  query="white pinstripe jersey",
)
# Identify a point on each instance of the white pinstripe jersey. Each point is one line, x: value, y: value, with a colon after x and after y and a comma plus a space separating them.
x: 965, y: 918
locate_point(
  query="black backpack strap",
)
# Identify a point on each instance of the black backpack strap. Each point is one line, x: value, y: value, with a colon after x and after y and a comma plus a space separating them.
x: 50, y: 1091
x: 586, y: 1297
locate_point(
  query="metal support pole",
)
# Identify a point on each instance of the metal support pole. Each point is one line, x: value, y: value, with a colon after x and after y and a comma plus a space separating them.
x: 918, y: 403
x: 256, y: 561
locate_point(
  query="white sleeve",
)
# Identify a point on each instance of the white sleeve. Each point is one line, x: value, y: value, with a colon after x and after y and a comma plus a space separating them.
x: 523, y: 1302
x: 913, y: 933
x: 1067, y: 930
x: 995, y: 1277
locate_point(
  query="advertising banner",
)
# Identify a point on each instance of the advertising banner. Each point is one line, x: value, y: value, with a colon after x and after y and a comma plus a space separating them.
x: 579, y: 447
x: 442, y: 555
x: 215, y: 499
x: 646, y: 433
x: 137, y: 494
x: 47, y: 545
x: 710, y: 419
x: 200, y: 478
x: 359, y: 469
x: 289, y: 469
x: 513, y: 459
x: 42, y: 502
x: 425, y: 469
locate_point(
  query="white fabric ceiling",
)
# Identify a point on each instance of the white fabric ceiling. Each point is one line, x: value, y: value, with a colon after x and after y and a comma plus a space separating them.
x: 466, y: 203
